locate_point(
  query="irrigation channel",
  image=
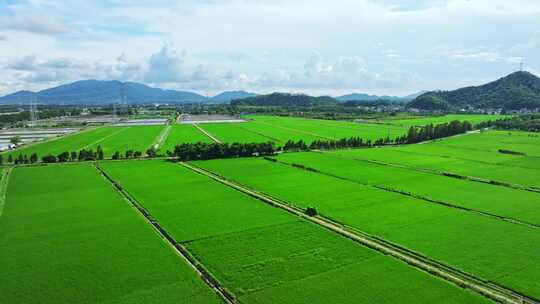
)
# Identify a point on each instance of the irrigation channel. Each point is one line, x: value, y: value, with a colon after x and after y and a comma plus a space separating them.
x: 464, y: 280
x: 205, y: 275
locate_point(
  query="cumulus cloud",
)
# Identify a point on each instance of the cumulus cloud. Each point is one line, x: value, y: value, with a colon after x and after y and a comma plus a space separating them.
x: 166, y: 66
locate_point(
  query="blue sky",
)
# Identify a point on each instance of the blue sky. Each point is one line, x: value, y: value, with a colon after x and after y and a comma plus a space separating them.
x: 313, y: 46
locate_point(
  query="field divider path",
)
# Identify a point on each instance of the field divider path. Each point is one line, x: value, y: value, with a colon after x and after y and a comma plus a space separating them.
x: 106, y: 137
x: 414, y: 195
x: 162, y: 137
x: 490, y: 290
x: 3, y: 187
x: 207, y: 133
x: 295, y: 130
x: 204, y: 274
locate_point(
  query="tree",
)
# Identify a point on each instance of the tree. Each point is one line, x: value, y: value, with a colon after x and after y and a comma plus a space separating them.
x: 310, y: 211
x: 1, y: 159
x: 99, y: 153
x: 33, y: 158
x: 63, y: 157
x: 49, y: 158
x: 15, y: 140
x: 116, y: 155
x: 10, y: 158
x: 151, y: 152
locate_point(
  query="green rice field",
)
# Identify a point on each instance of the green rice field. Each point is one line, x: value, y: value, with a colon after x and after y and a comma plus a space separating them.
x: 183, y: 134
x: 264, y: 255
x: 412, y: 223
x: 67, y: 237
x: 422, y: 121
x: 464, y: 240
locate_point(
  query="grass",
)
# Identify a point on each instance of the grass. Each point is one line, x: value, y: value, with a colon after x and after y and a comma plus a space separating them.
x: 183, y: 134
x: 330, y: 129
x: 264, y: 255
x: 483, y: 246
x: 111, y: 139
x: 422, y: 121
x: 67, y: 237
x: 136, y: 138
x: 73, y: 142
x: 471, y: 155
x: 496, y: 200
x: 233, y: 133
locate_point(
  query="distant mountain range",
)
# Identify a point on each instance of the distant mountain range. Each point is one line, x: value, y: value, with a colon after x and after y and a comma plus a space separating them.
x: 110, y: 91
x: 512, y: 92
x: 367, y: 97
x: 285, y: 100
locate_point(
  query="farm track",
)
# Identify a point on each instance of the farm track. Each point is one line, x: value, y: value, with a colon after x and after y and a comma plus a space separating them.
x: 417, y: 196
x: 296, y: 130
x: 423, y: 263
x: 207, y: 133
x: 3, y: 188
x: 162, y: 137
x: 205, y: 275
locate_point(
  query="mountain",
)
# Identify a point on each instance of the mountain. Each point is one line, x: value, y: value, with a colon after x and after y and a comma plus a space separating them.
x: 515, y: 91
x: 231, y: 95
x: 367, y: 97
x: 414, y: 95
x: 285, y: 100
x: 102, y: 92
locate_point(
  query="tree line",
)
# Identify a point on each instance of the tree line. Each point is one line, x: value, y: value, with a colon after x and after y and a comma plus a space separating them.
x: 529, y: 123
x: 205, y: 151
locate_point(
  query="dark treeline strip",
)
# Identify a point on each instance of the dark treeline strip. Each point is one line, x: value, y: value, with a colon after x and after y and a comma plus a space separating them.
x: 205, y: 151
x: 530, y: 123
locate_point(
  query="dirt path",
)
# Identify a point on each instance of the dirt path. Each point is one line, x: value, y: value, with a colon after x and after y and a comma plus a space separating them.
x: 162, y: 137
x: 205, y: 275
x: 3, y: 188
x: 461, y: 279
x: 206, y: 133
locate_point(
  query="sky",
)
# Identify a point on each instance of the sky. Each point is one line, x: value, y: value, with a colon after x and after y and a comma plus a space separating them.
x: 317, y: 47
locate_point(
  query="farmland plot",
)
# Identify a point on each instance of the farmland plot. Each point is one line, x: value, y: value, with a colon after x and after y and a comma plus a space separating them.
x: 472, y: 118
x: 67, y: 237
x: 180, y: 134
x: 330, y: 129
x: 501, y: 201
x: 264, y: 255
x: 136, y: 138
x: 233, y: 133
x: 474, y: 243
x: 73, y: 142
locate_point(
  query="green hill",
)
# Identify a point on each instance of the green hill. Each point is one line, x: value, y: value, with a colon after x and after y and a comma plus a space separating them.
x: 285, y: 100
x: 515, y: 91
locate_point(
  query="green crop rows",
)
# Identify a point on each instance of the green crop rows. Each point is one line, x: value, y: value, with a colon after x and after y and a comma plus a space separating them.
x: 469, y: 241
x: 183, y: 134
x: 67, y: 237
x: 264, y: 255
